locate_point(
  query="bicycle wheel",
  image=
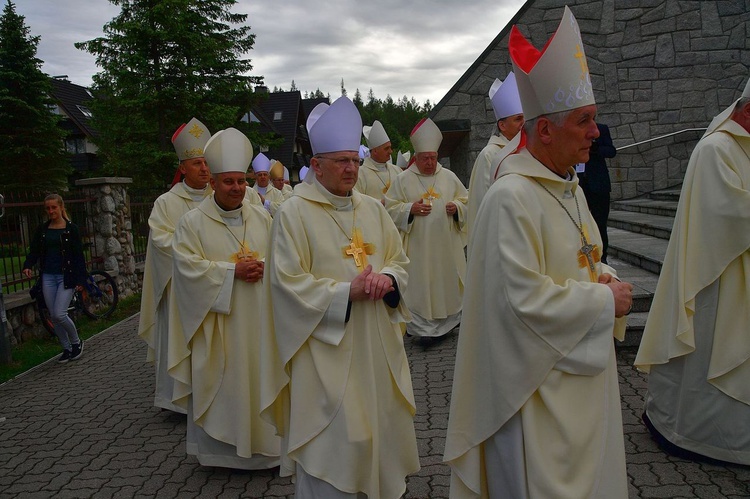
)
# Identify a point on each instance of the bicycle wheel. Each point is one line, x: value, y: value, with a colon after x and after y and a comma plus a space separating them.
x: 99, y: 296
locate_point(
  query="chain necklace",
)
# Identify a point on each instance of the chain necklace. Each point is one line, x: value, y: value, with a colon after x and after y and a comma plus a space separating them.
x: 429, y: 194
x: 385, y: 186
x: 244, y: 252
x: 588, y: 253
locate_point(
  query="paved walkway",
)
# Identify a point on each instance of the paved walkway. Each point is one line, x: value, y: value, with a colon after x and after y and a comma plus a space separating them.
x: 88, y: 429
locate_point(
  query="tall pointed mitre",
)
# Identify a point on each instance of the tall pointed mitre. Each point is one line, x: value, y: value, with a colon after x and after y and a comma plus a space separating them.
x: 504, y: 97
x: 229, y: 151
x: 337, y: 127
x: 727, y: 113
x: 190, y: 139
x: 277, y: 169
x: 402, y: 159
x: 426, y: 136
x: 556, y: 78
x: 261, y: 163
x: 286, y: 174
x: 375, y: 134
x: 364, y: 151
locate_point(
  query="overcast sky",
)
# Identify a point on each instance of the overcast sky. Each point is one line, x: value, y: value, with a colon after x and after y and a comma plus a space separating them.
x: 417, y: 48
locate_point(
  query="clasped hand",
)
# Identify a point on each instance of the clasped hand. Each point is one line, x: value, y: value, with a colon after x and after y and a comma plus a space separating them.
x: 369, y: 285
x: 249, y: 270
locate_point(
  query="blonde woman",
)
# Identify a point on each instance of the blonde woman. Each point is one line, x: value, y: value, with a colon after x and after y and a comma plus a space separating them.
x: 56, y: 247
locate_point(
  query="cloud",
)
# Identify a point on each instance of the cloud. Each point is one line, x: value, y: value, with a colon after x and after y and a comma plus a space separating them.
x: 418, y: 48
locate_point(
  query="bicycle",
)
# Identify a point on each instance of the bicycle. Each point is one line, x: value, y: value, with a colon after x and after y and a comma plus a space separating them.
x: 96, y: 299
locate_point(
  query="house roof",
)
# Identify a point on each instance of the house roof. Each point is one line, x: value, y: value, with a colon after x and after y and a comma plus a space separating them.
x: 73, y: 101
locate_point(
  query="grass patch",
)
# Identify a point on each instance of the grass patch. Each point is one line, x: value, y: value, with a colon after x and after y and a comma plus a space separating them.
x: 34, y: 352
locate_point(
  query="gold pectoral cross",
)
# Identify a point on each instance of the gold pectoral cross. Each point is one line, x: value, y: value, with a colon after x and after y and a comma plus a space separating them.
x: 588, y: 256
x: 386, y: 187
x: 358, y: 250
x: 430, y: 195
x: 244, y: 254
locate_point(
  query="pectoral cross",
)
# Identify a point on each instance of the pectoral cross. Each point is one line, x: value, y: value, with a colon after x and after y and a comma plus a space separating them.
x: 588, y: 256
x: 430, y: 195
x: 244, y: 254
x: 386, y: 187
x: 358, y: 250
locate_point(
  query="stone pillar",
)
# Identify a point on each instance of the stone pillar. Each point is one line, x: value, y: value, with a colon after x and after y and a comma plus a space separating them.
x: 111, y: 228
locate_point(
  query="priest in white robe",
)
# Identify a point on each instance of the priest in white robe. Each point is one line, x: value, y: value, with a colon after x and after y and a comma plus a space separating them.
x: 428, y: 205
x: 696, y: 344
x: 335, y: 276
x: 280, y: 177
x: 270, y: 197
x: 377, y: 173
x: 188, y: 141
x: 535, y: 408
x: 219, y: 253
x: 506, y: 106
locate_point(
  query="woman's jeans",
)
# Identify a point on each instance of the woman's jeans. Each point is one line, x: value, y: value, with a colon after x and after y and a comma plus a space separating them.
x: 58, y: 299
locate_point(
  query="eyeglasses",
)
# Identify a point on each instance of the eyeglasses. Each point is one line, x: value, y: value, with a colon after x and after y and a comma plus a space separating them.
x: 342, y: 162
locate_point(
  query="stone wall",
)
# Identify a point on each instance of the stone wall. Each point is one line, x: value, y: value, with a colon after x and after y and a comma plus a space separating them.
x: 109, y: 222
x: 657, y: 67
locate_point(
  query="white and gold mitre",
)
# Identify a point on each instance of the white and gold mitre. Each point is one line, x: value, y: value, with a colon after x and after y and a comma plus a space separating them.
x: 555, y: 79
x: 277, y: 169
x: 426, y: 136
x: 229, y: 151
x: 190, y: 140
x: 375, y: 135
x: 504, y: 97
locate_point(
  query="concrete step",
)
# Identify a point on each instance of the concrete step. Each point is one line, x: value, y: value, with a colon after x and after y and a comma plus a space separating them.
x: 641, y: 250
x: 642, y: 223
x: 643, y: 281
x: 645, y: 205
x: 634, y: 331
x: 670, y: 194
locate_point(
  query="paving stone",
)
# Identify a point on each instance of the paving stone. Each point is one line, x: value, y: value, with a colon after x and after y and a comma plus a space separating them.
x: 119, y: 445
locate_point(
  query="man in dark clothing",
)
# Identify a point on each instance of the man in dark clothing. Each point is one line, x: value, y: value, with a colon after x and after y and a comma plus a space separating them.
x: 595, y: 182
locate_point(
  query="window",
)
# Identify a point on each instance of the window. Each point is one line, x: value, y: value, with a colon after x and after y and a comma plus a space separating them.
x: 75, y: 146
x: 84, y: 110
x: 277, y: 116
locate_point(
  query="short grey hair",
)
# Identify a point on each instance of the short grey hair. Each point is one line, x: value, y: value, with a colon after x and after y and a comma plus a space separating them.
x: 558, y: 119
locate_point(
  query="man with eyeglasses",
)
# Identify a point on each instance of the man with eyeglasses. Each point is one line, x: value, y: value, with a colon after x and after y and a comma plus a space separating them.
x: 428, y: 204
x: 335, y: 276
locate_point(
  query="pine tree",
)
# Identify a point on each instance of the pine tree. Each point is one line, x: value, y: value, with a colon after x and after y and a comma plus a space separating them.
x: 163, y: 62
x: 343, y: 89
x: 30, y: 138
x: 293, y: 88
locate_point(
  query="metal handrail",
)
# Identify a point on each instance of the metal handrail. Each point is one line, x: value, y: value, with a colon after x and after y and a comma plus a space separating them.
x: 661, y: 137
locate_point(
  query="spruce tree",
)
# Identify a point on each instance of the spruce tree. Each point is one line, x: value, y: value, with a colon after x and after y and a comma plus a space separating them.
x: 30, y: 138
x: 163, y: 62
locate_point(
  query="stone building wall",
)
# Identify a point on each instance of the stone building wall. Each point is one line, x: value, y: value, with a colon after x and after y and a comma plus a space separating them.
x: 657, y: 67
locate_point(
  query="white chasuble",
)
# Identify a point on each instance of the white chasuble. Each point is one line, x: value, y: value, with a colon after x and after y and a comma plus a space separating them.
x: 535, y: 362
x: 433, y: 243
x: 482, y: 176
x: 374, y: 179
x: 216, y: 356
x: 153, y: 326
x: 346, y: 408
x: 273, y: 197
x: 696, y: 343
